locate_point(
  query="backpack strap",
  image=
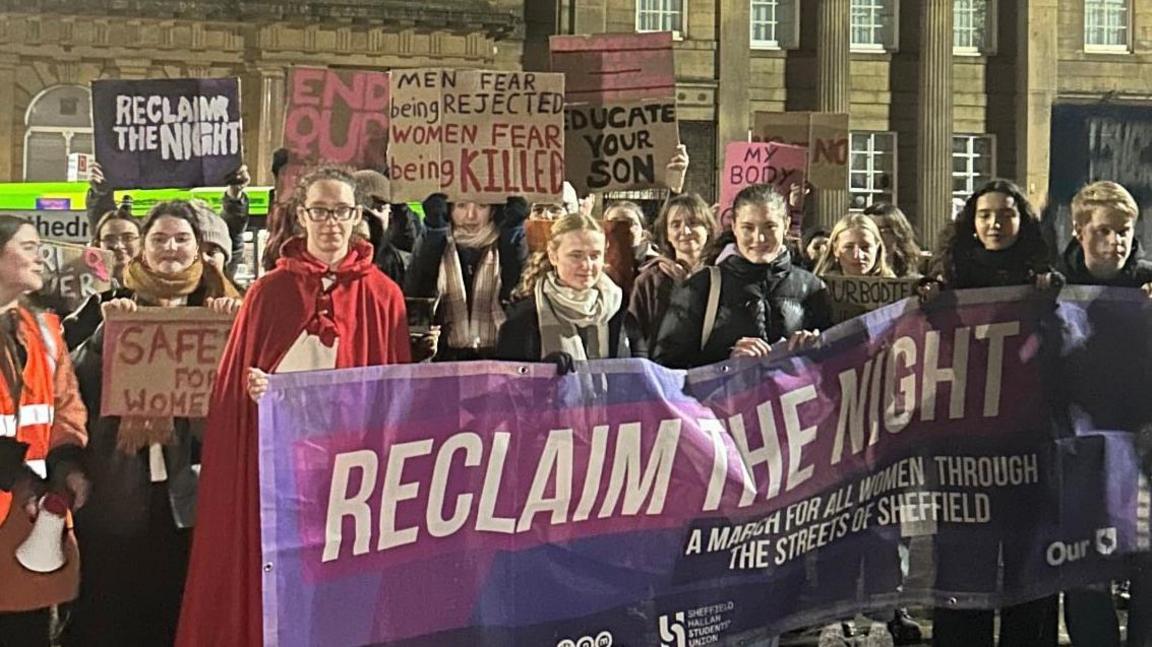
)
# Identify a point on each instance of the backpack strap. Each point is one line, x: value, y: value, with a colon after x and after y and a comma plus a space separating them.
x: 713, y: 305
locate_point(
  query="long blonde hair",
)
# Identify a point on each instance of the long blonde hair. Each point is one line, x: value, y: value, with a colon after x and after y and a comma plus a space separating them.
x: 539, y: 265
x: 828, y: 263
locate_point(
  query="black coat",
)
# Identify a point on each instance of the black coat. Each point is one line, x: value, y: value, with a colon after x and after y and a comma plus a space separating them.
x: 1136, y: 272
x: 980, y: 268
x: 770, y: 301
x: 519, y: 338
x: 122, y: 491
x: 424, y: 270
x: 391, y: 260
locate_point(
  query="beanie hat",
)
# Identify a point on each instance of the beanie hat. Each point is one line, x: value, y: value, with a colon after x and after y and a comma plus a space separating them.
x: 213, y: 229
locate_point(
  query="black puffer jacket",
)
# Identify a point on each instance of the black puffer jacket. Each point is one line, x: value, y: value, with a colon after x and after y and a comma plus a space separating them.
x: 1136, y: 272
x: 770, y: 301
x: 981, y: 268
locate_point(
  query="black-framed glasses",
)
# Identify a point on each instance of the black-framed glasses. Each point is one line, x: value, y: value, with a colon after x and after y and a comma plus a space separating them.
x: 343, y: 213
x: 124, y: 239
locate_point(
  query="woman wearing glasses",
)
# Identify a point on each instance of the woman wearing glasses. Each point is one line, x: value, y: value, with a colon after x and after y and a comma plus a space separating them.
x: 136, y: 538
x: 325, y: 306
x: 119, y: 232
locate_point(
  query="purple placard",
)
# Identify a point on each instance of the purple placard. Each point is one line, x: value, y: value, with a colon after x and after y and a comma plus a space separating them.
x: 479, y: 503
x: 53, y: 204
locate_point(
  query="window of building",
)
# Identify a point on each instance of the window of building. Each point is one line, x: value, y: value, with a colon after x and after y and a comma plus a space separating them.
x: 872, y: 171
x: 1106, y: 25
x: 59, y: 123
x: 874, y: 25
x: 973, y: 163
x: 974, y: 27
x: 775, y: 24
x: 660, y: 15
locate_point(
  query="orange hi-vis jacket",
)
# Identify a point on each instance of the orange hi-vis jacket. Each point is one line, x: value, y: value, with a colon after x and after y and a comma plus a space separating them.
x: 50, y: 414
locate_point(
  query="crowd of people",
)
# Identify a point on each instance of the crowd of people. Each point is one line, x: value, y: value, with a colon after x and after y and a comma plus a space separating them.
x: 169, y: 553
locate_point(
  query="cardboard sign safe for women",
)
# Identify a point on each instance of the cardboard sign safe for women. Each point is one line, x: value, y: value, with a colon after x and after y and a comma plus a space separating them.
x: 162, y: 361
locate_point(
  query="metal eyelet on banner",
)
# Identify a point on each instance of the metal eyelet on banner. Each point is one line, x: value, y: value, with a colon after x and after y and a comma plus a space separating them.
x: 268, y: 567
x: 523, y: 370
x: 725, y: 368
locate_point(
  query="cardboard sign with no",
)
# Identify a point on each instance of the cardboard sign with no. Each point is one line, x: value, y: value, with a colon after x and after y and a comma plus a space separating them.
x: 162, y: 361
x: 477, y: 135
x: 824, y: 133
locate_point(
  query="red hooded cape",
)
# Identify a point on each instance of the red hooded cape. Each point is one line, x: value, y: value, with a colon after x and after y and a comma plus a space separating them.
x: 222, y: 598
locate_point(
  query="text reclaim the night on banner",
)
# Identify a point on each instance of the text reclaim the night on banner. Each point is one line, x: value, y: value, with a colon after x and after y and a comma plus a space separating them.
x: 738, y: 500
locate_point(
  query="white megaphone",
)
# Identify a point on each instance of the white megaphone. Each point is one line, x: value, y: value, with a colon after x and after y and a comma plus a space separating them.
x: 43, y: 550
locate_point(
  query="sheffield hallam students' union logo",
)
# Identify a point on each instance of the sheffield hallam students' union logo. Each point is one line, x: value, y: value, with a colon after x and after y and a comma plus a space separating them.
x: 602, y: 639
x: 672, y: 632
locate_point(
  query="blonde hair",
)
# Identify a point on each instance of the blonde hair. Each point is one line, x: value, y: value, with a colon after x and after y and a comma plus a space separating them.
x: 828, y: 263
x: 539, y: 265
x: 1102, y: 195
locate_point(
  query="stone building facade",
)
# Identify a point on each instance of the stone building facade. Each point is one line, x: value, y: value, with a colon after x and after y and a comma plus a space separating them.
x: 1000, y: 68
x: 50, y: 50
x: 899, y: 67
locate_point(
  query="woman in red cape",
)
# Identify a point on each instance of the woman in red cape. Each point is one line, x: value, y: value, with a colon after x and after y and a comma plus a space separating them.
x: 324, y: 306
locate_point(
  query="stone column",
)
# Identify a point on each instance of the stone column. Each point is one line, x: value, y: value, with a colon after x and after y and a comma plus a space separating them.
x: 934, y: 121
x: 833, y: 89
x: 264, y: 103
x: 1036, y: 87
x: 11, y: 169
x: 733, y: 92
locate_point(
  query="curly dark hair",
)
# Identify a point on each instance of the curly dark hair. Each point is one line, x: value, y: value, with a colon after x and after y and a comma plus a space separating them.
x: 959, y: 240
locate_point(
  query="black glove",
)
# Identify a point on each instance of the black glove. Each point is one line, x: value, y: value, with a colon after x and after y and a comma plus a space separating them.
x: 515, y: 212
x: 563, y: 361
x: 436, y: 214
x: 12, y: 454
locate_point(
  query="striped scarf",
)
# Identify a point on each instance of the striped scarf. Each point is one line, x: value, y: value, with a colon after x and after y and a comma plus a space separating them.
x: 471, y: 325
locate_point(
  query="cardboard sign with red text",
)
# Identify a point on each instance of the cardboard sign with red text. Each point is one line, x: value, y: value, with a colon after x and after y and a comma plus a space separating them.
x: 162, y: 361
x: 824, y: 133
x: 606, y: 68
x: 620, y: 118
x: 477, y: 135
x: 72, y: 273
x: 334, y: 117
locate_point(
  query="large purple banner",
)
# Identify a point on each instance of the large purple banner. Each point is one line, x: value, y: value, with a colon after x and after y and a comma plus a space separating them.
x: 972, y: 453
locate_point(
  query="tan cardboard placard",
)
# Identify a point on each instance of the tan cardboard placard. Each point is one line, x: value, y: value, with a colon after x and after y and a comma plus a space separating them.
x: 620, y: 146
x: 477, y: 135
x: 853, y: 296
x: 72, y: 273
x: 162, y: 361
x: 824, y: 133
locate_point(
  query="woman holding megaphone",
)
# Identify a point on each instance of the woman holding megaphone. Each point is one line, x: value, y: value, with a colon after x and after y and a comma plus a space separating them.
x: 42, y: 435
